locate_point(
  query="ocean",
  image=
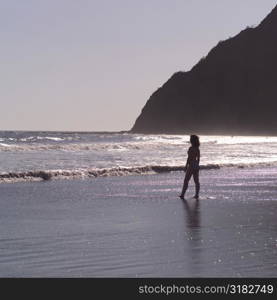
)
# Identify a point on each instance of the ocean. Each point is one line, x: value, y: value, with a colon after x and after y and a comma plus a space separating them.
x: 32, y: 156
x: 104, y: 223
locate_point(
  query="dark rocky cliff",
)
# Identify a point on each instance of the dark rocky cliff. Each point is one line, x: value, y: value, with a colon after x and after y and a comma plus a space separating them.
x: 233, y: 90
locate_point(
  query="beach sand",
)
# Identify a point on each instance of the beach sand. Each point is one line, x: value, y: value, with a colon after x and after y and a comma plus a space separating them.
x: 137, y: 226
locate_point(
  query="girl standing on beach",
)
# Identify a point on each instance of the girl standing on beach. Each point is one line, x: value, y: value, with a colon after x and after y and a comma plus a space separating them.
x: 192, y: 166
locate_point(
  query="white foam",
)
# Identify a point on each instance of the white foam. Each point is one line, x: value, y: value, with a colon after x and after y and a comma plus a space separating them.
x: 232, y: 140
x: 49, y: 138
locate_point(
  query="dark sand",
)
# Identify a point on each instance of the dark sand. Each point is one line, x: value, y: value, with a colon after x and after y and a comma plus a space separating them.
x: 137, y: 226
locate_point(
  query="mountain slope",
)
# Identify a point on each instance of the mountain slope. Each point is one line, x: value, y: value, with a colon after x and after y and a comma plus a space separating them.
x: 231, y: 91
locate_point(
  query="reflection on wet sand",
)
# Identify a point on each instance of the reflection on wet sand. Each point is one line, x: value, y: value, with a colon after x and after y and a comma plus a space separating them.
x: 193, y: 226
x: 193, y: 213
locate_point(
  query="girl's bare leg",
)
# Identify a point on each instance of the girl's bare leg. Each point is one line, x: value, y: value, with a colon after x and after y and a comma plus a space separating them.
x: 186, y: 182
x: 197, y: 183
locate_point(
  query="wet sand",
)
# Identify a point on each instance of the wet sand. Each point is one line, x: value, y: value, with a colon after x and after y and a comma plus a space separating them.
x: 136, y: 226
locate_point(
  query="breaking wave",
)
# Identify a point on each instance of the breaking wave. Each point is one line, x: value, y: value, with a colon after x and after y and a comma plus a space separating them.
x: 12, y: 177
x: 78, y: 143
x: 87, y: 173
x: 4, y: 147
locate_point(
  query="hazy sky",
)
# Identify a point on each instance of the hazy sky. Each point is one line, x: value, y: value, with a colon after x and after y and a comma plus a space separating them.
x: 92, y: 64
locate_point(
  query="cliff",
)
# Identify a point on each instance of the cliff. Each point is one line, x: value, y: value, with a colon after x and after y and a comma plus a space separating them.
x: 233, y: 90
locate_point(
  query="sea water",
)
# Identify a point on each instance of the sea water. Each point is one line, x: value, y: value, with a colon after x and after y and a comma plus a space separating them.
x: 136, y: 226
x: 26, y: 155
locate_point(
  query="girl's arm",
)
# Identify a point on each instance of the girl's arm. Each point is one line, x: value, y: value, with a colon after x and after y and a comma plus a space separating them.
x: 187, y: 163
x: 188, y: 159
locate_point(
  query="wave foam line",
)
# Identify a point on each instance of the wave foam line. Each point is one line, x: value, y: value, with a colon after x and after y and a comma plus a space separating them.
x: 106, y: 172
x: 86, y: 173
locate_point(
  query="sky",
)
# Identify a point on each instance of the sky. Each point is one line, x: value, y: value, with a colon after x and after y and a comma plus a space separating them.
x: 91, y: 65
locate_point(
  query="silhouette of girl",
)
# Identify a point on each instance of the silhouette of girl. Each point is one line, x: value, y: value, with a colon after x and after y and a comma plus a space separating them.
x: 192, y: 166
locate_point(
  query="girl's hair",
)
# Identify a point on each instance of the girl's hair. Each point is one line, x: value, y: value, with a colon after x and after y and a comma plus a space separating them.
x: 194, y: 139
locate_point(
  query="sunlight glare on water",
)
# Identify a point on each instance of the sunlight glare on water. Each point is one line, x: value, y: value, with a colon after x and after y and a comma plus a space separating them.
x: 78, y: 152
